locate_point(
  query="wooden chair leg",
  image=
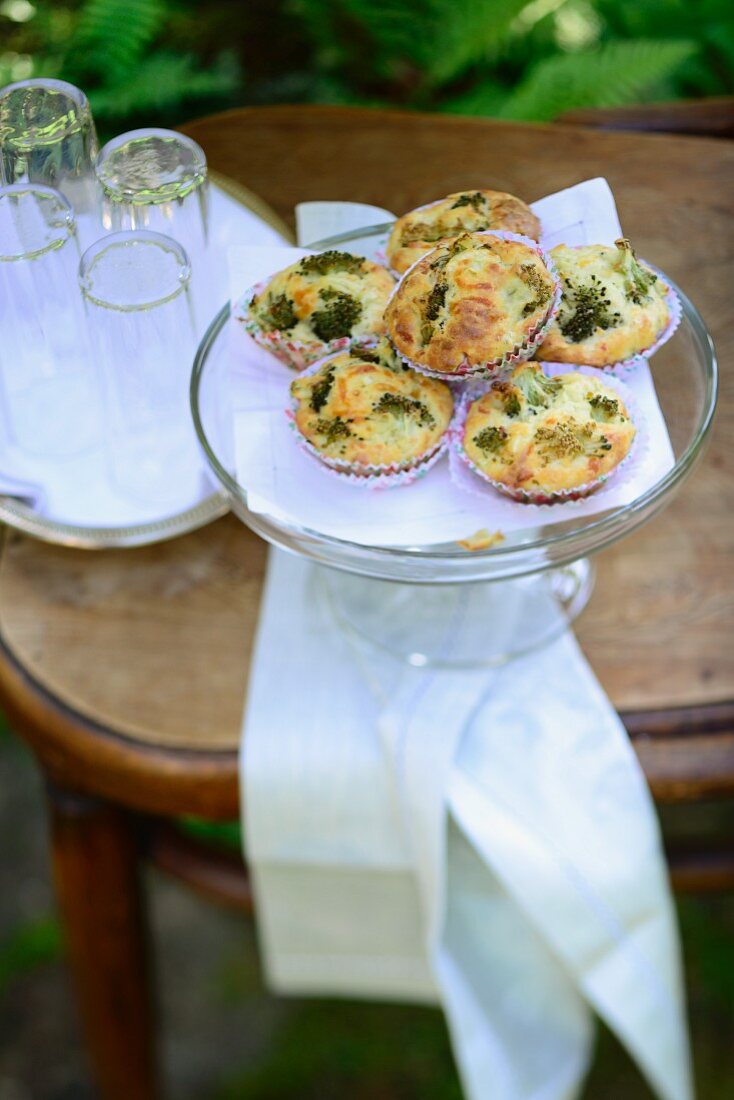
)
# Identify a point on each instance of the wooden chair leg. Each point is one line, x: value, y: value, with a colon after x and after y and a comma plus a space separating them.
x: 96, y: 872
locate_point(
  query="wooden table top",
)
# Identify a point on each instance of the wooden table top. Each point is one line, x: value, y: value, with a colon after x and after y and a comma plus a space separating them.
x: 154, y: 643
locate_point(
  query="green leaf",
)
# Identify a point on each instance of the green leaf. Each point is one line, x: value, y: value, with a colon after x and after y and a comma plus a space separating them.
x: 28, y: 946
x: 438, y: 38
x: 615, y: 74
x: 112, y: 36
x: 163, y: 81
x: 486, y: 98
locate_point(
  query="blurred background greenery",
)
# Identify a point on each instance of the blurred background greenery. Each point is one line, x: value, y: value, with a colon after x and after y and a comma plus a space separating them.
x: 163, y: 61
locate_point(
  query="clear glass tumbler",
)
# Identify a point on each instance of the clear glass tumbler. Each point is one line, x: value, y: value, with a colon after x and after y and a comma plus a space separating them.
x: 136, y: 290
x: 157, y: 180
x: 47, y: 388
x: 47, y: 136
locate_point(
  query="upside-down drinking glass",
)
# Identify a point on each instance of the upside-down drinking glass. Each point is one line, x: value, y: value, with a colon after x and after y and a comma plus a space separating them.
x: 157, y: 180
x: 47, y: 136
x: 136, y: 290
x: 47, y: 388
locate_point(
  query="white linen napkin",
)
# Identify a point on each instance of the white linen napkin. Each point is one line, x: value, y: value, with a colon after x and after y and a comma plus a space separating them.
x: 481, y: 839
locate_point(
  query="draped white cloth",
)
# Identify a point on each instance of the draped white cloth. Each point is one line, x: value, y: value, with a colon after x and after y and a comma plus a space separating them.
x: 484, y: 840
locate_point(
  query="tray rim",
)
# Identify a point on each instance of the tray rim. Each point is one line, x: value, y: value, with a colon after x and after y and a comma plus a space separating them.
x: 24, y: 518
x: 603, y: 528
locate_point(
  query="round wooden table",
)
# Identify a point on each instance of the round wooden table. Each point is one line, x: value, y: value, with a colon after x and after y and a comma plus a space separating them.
x: 126, y: 671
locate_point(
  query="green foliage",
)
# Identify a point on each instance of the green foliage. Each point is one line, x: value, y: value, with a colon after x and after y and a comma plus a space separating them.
x: 29, y: 946
x: 111, y: 39
x: 615, y: 74
x: 125, y: 56
x: 418, y: 45
x: 144, y: 61
x: 226, y: 834
x: 165, y: 82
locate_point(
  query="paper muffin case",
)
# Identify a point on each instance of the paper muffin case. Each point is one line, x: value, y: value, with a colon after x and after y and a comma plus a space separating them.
x: 297, y: 354
x: 675, y: 310
x: 371, y: 476
x: 460, y: 461
x: 497, y: 368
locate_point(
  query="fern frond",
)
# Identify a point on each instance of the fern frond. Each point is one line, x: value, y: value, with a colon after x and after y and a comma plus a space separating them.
x: 617, y: 73
x: 439, y: 38
x: 163, y: 81
x: 112, y: 36
x: 485, y: 98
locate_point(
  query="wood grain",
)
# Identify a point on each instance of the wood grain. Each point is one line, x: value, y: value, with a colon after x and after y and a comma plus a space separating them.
x: 95, y: 860
x: 712, y: 117
x: 154, y: 644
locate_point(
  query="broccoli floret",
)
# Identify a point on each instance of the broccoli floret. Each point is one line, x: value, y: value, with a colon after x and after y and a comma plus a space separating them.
x: 383, y: 355
x: 511, y: 403
x: 637, y: 279
x: 603, y: 408
x: 336, y: 319
x: 474, y: 199
x: 491, y: 440
x: 326, y: 263
x: 585, y: 308
x: 366, y: 355
x: 399, y: 405
x: 568, y: 439
x: 537, y: 389
x: 281, y: 314
x: 461, y: 244
x: 321, y: 390
x: 541, y: 291
x: 333, y: 430
x: 436, y: 300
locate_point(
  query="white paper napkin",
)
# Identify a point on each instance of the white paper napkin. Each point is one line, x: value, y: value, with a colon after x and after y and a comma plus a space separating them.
x: 481, y: 839
x: 283, y: 482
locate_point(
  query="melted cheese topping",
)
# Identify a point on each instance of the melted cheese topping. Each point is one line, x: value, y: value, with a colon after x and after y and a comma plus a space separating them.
x: 469, y: 302
x: 418, y: 231
x: 596, y: 283
x: 306, y: 296
x: 546, y: 439
x: 371, y: 413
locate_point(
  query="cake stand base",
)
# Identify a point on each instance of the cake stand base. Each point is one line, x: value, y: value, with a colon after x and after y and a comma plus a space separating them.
x: 475, y: 625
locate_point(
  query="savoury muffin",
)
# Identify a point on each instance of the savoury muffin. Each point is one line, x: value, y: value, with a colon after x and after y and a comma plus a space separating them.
x: 325, y: 302
x: 612, y: 306
x: 542, y: 439
x: 472, y: 305
x: 419, y: 231
x: 366, y: 409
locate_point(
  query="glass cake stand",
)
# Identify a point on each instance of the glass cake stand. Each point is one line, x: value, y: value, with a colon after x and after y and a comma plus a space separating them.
x: 439, y: 604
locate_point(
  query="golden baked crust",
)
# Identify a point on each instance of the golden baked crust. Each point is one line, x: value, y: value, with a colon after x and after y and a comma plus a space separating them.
x: 612, y: 306
x: 468, y: 303
x: 368, y: 409
x: 418, y: 231
x: 325, y: 297
x: 536, y: 435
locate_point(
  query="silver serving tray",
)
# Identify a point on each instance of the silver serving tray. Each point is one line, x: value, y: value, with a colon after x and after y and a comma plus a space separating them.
x: 23, y: 516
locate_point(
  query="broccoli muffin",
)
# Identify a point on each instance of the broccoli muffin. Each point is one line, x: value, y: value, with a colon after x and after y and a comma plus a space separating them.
x: 419, y: 231
x: 472, y: 305
x: 542, y: 439
x: 612, y: 306
x: 323, y: 303
x: 365, y: 408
